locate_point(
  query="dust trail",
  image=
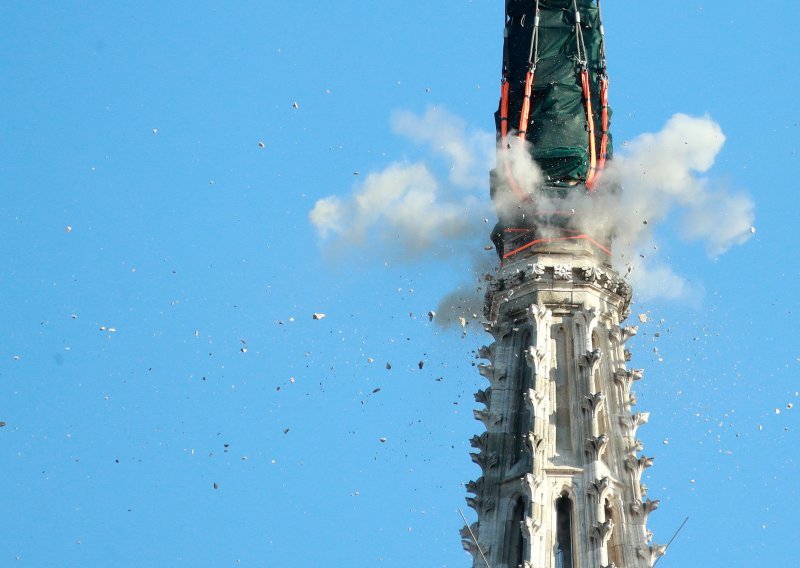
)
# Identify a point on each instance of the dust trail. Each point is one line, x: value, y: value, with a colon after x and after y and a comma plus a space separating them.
x: 439, y: 208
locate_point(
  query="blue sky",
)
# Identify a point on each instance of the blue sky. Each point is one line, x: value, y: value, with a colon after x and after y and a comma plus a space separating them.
x: 137, y: 197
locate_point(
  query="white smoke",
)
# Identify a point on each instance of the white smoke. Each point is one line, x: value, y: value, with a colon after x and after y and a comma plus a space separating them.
x: 413, y: 211
x: 406, y: 205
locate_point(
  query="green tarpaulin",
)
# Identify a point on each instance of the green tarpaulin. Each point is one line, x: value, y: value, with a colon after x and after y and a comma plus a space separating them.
x: 557, y: 128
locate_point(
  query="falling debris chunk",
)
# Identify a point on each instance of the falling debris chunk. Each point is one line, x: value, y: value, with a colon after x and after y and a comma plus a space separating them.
x: 376, y: 390
x: 155, y: 131
x: 643, y: 318
x: 295, y: 105
x: 421, y: 364
x: 388, y: 366
x: 431, y: 315
x: 2, y: 423
x: 383, y: 440
x: 216, y: 486
x: 285, y: 430
x: 68, y: 229
x: 752, y: 230
x: 370, y: 360
x: 463, y: 321
x: 260, y: 144
x: 317, y: 316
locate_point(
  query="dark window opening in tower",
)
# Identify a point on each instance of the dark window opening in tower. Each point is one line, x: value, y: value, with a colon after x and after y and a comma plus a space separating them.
x: 563, y: 420
x: 516, y: 542
x: 523, y: 383
x: 564, y: 532
x: 614, y: 543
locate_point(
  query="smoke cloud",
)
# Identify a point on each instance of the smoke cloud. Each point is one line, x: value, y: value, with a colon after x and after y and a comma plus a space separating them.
x: 409, y: 207
x: 415, y: 208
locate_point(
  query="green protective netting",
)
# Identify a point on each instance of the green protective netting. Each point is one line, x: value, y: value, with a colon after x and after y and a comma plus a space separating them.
x: 557, y: 128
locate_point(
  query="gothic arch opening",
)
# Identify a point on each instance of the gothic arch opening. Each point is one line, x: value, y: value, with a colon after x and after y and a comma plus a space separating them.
x: 523, y: 383
x: 615, y: 542
x: 516, y: 541
x: 564, y: 553
x: 562, y: 379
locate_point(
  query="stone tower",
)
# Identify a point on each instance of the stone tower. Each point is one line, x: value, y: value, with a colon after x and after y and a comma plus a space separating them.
x: 561, y: 483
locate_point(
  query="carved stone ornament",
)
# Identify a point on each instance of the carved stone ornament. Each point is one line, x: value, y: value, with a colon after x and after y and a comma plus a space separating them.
x: 534, y: 441
x: 484, y: 396
x: 628, y: 332
x: 487, y: 352
x: 596, y: 445
x: 475, y: 486
x: 536, y: 357
x: 598, y: 487
x: 486, y: 460
x: 562, y: 272
x: 536, y: 270
x: 480, y: 442
x: 651, y: 553
x: 594, y: 402
x: 602, y: 531
x: 530, y: 526
x: 591, y: 359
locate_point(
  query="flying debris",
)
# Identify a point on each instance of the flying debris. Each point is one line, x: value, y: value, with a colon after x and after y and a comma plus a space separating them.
x: 421, y: 364
x: 295, y: 105
x: 317, y: 316
x: 388, y: 366
x: 431, y: 315
x: 260, y: 144
x: 643, y: 318
x: 68, y: 229
x: 383, y: 440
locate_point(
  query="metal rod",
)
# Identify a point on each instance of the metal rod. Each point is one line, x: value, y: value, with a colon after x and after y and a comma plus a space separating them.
x: 475, y: 540
x: 670, y: 541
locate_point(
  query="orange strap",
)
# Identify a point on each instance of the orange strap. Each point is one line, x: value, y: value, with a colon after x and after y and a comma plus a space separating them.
x: 590, y: 175
x: 604, y: 140
x: 540, y: 241
x: 526, y: 106
x: 503, y: 110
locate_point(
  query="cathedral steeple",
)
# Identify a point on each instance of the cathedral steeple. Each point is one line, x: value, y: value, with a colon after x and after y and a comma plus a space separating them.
x: 561, y: 483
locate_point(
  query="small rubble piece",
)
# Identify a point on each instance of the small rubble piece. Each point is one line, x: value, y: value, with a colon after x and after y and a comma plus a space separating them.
x: 295, y: 105
x: 370, y: 360
x: 388, y: 366
x: 376, y: 390
x: 2, y: 423
x: 317, y: 316
x: 216, y: 485
x: 68, y: 229
x: 789, y: 406
x: 383, y: 440
x: 463, y: 321
x: 285, y: 430
x: 643, y: 318
x: 244, y: 346
x: 260, y: 144
x: 431, y: 315
x: 752, y: 230
x: 421, y: 364
x: 155, y: 131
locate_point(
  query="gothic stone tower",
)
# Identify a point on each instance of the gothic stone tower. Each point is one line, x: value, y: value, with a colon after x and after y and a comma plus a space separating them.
x: 561, y: 483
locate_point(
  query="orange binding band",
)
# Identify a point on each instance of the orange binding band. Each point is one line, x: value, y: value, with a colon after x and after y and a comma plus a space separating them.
x: 526, y: 106
x: 604, y: 140
x: 503, y: 109
x: 590, y: 175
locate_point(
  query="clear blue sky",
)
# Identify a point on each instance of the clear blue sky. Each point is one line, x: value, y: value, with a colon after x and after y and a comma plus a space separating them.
x: 138, y: 127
